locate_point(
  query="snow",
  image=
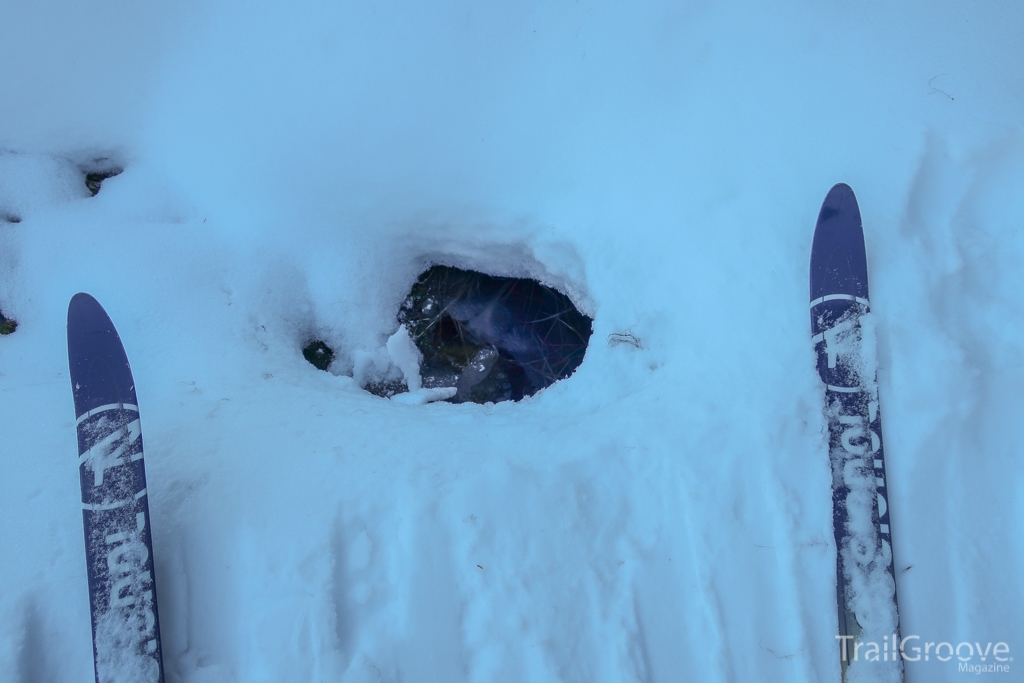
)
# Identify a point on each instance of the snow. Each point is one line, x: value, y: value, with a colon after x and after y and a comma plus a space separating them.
x: 665, y: 513
x: 121, y: 634
x: 421, y: 396
x: 406, y: 357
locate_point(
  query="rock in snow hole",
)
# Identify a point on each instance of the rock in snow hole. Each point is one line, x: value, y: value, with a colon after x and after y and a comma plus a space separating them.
x: 319, y: 354
x: 7, y: 325
x: 97, y: 171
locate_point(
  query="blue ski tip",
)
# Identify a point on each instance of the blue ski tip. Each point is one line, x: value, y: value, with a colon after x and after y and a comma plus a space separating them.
x: 100, y: 373
x: 838, y: 259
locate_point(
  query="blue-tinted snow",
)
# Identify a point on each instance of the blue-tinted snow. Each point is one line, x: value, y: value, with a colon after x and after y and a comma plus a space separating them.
x: 662, y: 515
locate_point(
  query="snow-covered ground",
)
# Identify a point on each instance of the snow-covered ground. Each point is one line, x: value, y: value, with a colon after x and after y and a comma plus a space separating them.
x: 664, y: 514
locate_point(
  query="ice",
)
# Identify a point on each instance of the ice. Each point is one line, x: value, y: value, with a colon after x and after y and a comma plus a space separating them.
x: 406, y: 357
x: 421, y: 396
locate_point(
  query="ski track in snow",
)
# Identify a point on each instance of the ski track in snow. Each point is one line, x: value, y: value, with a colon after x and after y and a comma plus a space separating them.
x: 958, y: 219
x: 662, y: 515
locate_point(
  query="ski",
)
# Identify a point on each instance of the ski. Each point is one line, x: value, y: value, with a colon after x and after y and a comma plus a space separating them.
x: 842, y: 333
x: 115, y: 511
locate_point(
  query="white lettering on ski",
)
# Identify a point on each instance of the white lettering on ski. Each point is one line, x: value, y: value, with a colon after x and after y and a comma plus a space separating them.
x: 103, y: 455
x: 126, y: 563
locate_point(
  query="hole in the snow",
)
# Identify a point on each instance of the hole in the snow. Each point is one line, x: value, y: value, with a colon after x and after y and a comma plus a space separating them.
x: 319, y: 354
x: 9, y: 218
x: 98, y: 171
x: 492, y: 338
x: 7, y: 325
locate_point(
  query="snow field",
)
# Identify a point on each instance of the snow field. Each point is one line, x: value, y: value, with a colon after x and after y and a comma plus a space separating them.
x: 662, y: 515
